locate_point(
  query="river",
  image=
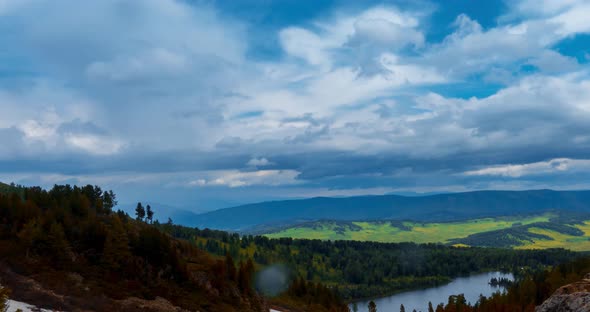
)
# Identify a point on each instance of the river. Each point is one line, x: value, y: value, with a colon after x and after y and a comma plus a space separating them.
x: 471, y: 286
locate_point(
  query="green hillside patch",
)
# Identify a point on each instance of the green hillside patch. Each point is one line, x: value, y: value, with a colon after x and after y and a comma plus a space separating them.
x: 549, y: 230
x: 535, y: 235
x: 396, y: 231
x: 505, y: 238
x: 559, y: 239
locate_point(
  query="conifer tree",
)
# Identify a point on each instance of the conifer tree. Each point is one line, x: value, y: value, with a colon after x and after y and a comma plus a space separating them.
x: 245, y: 273
x: 372, y: 306
x: 116, y: 247
x: 150, y: 213
x: 27, y: 235
x: 58, y: 245
x: 109, y: 200
x: 139, y: 212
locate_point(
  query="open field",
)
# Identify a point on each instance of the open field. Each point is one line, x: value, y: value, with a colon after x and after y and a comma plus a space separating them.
x: 525, y: 232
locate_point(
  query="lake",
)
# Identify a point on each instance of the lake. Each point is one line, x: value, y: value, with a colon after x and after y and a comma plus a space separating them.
x: 471, y: 286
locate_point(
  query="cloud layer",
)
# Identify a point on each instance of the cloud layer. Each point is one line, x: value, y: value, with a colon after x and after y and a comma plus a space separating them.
x: 180, y: 102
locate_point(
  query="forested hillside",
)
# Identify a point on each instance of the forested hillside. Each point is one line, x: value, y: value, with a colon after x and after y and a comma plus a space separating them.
x: 368, y: 269
x: 66, y: 249
x: 433, y: 208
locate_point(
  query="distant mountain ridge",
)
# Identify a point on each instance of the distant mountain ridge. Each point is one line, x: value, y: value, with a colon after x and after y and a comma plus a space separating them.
x: 439, y: 207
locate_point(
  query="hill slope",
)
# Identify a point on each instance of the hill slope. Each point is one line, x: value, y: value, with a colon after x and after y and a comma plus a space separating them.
x: 441, y: 207
x: 548, y: 230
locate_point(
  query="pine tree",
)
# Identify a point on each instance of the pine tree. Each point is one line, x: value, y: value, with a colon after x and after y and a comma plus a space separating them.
x: 109, y: 200
x: 150, y: 213
x: 372, y: 306
x: 27, y: 235
x: 139, y: 212
x: 58, y: 245
x: 245, y: 274
x: 116, y: 247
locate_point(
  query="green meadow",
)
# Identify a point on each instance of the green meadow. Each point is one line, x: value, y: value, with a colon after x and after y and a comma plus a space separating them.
x: 526, y: 232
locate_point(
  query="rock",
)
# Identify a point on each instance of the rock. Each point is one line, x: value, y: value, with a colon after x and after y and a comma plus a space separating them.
x: 157, y: 305
x: 569, y: 298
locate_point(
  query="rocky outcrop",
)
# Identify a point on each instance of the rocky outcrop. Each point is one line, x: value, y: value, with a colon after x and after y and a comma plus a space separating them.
x: 157, y: 305
x: 574, y: 297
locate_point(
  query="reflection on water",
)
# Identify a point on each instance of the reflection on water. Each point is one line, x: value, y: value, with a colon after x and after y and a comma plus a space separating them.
x: 471, y: 287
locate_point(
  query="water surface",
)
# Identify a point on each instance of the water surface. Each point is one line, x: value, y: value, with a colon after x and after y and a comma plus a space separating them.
x: 471, y: 286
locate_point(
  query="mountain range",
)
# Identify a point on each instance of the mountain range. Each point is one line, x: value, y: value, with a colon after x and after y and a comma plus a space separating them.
x: 439, y: 207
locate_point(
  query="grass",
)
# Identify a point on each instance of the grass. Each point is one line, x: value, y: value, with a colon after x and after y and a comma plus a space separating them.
x: 440, y: 232
x: 560, y: 240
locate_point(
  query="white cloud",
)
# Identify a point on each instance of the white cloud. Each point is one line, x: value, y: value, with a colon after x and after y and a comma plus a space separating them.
x: 37, y: 131
x: 93, y: 144
x: 470, y: 49
x: 154, y: 63
x: 43, y: 114
x: 234, y: 178
x: 574, y: 20
x: 259, y: 162
x: 526, y: 35
x: 386, y: 27
x: 305, y: 44
x: 543, y: 167
x: 542, y: 8
x: 359, y: 38
x: 550, y: 61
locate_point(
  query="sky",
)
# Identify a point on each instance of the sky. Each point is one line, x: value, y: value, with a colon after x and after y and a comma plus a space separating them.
x: 210, y: 104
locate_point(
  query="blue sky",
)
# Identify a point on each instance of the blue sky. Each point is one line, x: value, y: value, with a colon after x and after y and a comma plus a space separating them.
x: 208, y: 104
